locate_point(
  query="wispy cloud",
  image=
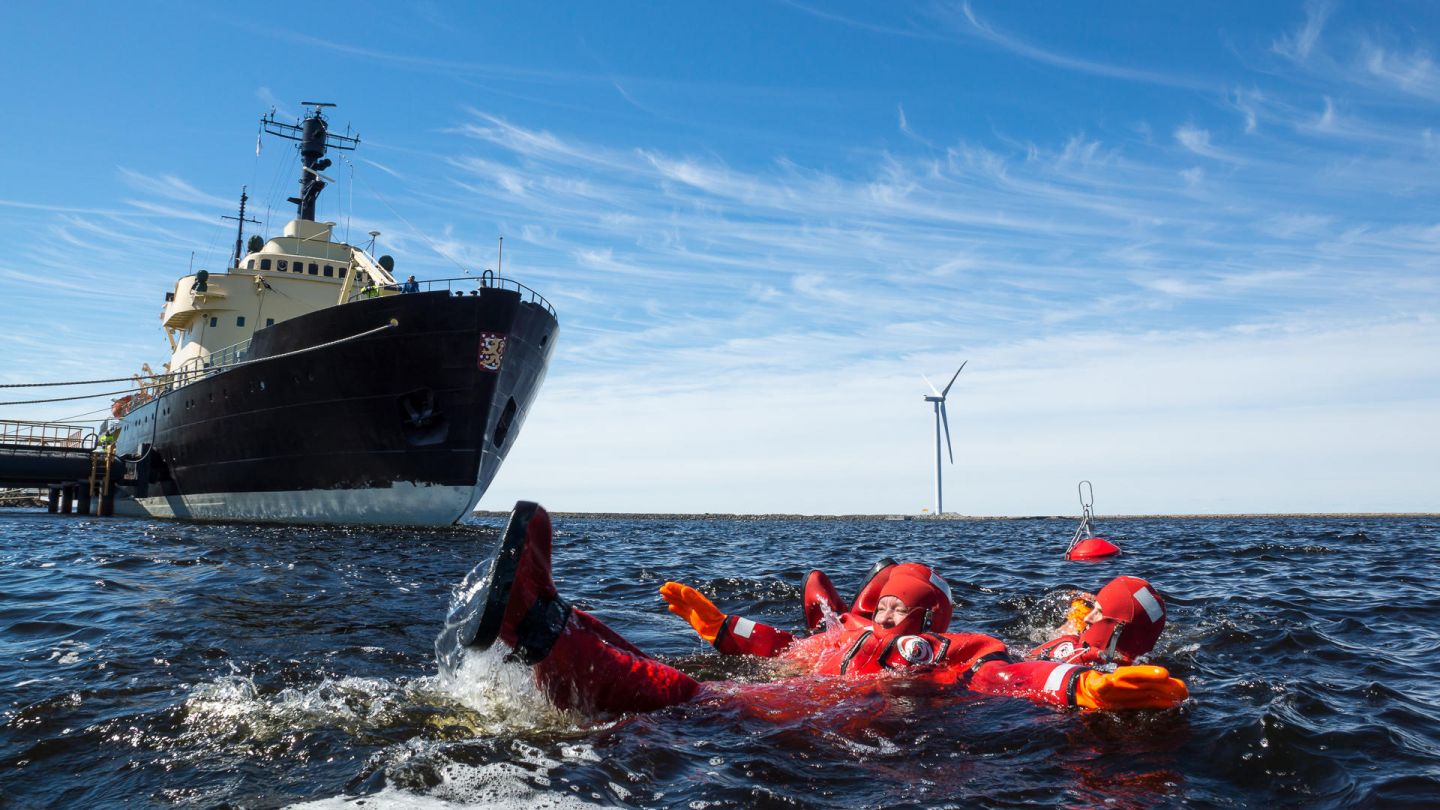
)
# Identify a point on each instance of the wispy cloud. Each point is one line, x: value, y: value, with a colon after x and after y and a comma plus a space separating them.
x: 1412, y: 73
x: 1245, y: 101
x: 1082, y: 209
x: 912, y: 32
x: 1298, y: 43
x: 1198, y: 141
x: 1369, y: 61
x: 170, y: 187
x: 975, y: 26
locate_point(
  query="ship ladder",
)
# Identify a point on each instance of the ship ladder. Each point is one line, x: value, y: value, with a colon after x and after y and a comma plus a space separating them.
x: 100, y: 468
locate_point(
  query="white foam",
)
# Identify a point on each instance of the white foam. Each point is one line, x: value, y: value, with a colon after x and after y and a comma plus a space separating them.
x: 501, y: 695
x: 497, y: 785
x: 485, y: 697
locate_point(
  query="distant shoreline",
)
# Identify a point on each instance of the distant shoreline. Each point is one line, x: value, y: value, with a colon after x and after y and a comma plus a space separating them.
x: 959, y: 518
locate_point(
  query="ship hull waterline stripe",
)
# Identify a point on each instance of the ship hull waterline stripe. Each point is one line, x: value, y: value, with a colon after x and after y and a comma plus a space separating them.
x: 403, y: 504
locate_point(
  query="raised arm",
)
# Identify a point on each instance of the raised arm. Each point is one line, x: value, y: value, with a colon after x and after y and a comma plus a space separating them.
x: 731, y: 635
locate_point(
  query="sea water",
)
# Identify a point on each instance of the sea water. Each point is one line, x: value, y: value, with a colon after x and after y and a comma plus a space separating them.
x: 172, y: 664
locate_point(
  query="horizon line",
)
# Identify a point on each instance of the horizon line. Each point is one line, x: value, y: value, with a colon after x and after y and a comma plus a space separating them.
x: 951, y: 516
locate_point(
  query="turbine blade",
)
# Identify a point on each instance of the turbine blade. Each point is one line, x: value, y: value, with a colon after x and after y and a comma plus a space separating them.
x: 932, y: 385
x: 952, y: 379
x: 945, y: 420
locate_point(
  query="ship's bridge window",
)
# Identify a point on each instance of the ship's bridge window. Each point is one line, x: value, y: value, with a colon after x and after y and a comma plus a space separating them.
x: 342, y: 271
x: 329, y: 270
x: 281, y: 265
x: 240, y: 320
x: 212, y: 322
x: 314, y: 270
x: 264, y: 264
x: 250, y: 264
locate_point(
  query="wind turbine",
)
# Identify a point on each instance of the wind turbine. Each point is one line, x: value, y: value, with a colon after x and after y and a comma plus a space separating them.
x: 941, y: 421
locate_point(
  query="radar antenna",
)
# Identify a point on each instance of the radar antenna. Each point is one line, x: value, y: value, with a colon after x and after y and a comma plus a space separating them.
x: 314, y: 136
x: 240, y: 225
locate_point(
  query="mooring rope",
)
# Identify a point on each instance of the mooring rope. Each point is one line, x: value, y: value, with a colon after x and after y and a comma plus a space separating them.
x: 171, y: 376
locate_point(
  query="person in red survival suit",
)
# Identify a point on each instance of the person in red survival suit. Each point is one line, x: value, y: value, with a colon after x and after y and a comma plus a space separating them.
x: 582, y: 665
x: 1117, y: 625
x: 898, y: 623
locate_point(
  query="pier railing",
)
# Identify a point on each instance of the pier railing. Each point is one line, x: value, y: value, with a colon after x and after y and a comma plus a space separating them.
x: 464, y: 285
x: 46, y: 436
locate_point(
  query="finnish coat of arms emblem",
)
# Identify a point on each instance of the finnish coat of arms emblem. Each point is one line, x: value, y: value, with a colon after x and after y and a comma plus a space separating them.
x: 492, y: 350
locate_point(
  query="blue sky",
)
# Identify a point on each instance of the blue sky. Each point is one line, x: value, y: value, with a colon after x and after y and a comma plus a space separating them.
x: 1190, y: 253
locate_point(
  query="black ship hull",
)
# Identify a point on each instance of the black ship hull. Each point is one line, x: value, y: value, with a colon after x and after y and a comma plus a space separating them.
x: 406, y: 426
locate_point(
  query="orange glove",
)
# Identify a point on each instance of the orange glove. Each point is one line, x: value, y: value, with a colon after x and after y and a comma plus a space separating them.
x: 1075, y: 619
x: 1143, y: 687
x: 692, y: 606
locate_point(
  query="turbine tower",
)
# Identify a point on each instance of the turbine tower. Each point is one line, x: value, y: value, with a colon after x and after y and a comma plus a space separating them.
x: 941, y: 421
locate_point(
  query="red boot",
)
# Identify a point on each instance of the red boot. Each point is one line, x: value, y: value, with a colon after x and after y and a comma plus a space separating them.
x: 818, y: 590
x: 579, y: 662
x: 509, y: 595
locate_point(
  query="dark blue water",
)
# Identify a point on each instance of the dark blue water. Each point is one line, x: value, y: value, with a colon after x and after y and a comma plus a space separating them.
x: 243, y: 666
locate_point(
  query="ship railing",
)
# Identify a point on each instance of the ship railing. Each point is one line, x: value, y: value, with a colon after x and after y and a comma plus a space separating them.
x: 464, y: 285
x: 46, y: 436
x: 214, y: 362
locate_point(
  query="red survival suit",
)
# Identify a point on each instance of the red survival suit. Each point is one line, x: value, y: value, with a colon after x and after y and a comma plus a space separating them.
x: 582, y: 665
x: 855, y: 646
x: 1134, y: 616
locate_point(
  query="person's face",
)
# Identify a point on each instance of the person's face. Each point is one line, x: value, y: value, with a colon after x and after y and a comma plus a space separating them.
x: 1094, y: 616
x: 890, y: 611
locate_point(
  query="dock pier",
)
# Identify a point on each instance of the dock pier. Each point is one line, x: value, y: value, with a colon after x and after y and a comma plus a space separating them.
x: 68, y: 460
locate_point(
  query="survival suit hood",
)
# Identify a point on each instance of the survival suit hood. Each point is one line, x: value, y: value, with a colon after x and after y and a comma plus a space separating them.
x: 921, y: 589
x: 1134, y: 615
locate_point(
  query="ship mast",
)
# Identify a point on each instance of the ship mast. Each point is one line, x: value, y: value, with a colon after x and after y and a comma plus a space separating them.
x: 314, y: 136
x: 240, y: 225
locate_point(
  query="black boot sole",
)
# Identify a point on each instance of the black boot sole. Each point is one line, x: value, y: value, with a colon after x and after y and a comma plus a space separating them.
x: 479, y: 609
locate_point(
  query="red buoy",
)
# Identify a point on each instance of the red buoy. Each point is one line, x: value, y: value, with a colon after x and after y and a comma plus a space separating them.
x: 1085, y: 545
x: 1092, y: 548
